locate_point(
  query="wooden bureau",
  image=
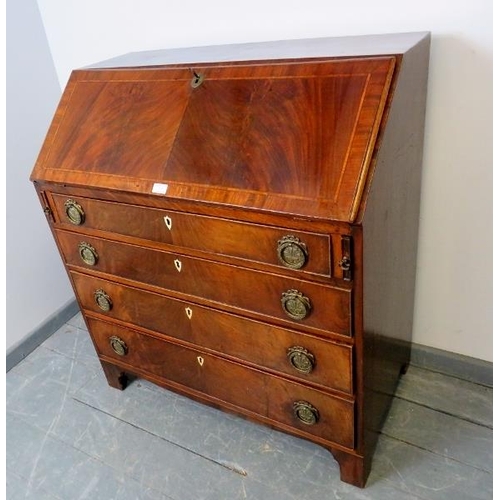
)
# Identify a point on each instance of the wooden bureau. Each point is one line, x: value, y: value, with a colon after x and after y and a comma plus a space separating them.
x: 239, y: 224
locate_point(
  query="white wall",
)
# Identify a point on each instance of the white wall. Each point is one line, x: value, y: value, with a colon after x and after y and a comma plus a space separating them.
x: 37, y: 284
x: 454, y: 285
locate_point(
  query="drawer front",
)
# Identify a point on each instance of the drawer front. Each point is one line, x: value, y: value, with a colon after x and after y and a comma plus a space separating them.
x: 325, y: 307
x: 309, y: 252
x: 311, y: 359
x: 263, y: 394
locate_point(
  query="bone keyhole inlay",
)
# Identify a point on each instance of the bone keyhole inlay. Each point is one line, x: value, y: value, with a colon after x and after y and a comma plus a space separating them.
x: 168, y: 222
x: 178, y: 264
x: 189, y: 312
x: 200, y: 360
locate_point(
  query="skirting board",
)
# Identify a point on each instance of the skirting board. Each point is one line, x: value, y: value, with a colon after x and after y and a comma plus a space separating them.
x: 30, y: 342
x: 450, y: 363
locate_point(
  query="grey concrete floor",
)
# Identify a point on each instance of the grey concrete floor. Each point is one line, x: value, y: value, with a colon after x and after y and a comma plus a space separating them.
x: 70, y: 436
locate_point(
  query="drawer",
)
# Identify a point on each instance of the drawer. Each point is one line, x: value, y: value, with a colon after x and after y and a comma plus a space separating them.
x: 309, y: 358
x: 309, y: 252
x: 252, y: 390
x: 290, y: 300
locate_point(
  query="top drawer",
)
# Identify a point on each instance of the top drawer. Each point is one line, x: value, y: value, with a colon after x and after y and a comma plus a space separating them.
x: 309, y: 252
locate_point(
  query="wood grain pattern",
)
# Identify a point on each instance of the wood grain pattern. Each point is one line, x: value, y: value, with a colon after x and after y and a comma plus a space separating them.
x: 104, y: 118
x: 255, y: 342
x: 263, y: 394
x: 214, y: 235
x: 288, y: 137
x: 222, y: 284
x: 254, y: 216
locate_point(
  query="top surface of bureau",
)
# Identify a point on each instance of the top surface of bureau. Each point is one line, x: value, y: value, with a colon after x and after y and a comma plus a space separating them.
x: 292, y: 137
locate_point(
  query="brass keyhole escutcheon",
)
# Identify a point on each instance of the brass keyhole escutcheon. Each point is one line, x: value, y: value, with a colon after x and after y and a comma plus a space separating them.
x: 88, y: 253
x: 301, y: 359
x: 74, y: 212
x: 197, y: 80
x: 295, y: 304
x: 306, y: 412
x: 292, y: 253
x: 103, y: 300
x: 118, y: 345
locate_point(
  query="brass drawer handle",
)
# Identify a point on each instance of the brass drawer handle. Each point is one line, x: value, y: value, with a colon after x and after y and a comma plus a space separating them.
x: 74, y: 212
x: 118, y: 345
x: 295, y: 304
x: 103, y: 300
x: 345, y: 264
x: 292, y: 253
x: 306, y: 412
x: 301, y: 359
x: 88, y: 253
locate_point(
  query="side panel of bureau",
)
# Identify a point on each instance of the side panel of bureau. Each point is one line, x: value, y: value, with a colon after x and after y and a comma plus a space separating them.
x: 390, y: 241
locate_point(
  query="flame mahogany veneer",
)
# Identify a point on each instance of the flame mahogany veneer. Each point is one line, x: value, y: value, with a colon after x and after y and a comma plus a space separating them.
x: 239, y: 224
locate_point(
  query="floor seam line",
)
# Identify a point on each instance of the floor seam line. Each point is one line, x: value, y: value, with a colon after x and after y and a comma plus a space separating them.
x: 21, y: 476
x: 434, y: 452
x: 241, y: 472
x: 420, y: 367
x: 397, y: 487
x: 52, y: 435
x: 445, y: 412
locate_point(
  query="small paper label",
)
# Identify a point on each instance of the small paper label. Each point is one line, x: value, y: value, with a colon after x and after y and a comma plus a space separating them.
x: 159, y: 188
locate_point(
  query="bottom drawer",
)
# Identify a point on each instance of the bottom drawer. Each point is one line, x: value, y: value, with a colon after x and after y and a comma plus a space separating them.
x: 287, y: 403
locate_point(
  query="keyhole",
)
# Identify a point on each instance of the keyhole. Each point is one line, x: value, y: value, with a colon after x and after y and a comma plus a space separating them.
x: 200, y: 360
x: 168, y: 222
x: 197, y: 80
x: 189, y: 312
x: 178, y: 264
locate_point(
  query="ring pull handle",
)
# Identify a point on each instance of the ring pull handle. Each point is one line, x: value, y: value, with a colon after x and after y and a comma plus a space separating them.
x: 306, y: 412
x: 345, y: 263
x: 103, y: 300
x: 118, y: 345
x: 74, y: 212
x: 301, y: 359
x: 295, y: 304
x: 88, y: 253
x: 292, y: 252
